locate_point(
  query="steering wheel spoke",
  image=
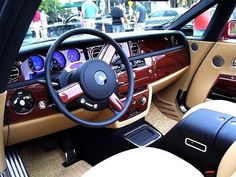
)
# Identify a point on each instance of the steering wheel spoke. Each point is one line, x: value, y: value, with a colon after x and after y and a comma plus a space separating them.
x: 70, y: 93
x: 116, y: 103
x: 107, y: 53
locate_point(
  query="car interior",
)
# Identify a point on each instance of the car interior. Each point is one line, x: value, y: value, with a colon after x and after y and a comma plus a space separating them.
x: 149, y: 103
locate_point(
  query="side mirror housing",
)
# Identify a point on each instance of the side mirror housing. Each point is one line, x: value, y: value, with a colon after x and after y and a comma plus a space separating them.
x: 230, y: 30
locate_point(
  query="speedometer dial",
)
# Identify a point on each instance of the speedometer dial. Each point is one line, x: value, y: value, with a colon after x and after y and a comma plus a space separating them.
x: 73, y: 55
x: 36, y: 63
x: 58, y: 61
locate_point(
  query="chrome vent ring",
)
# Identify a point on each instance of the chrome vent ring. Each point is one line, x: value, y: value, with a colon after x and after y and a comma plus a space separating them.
x: 15, y: 73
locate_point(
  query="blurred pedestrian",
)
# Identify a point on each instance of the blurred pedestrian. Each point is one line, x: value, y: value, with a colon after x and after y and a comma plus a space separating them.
x: 37, y: 24
x: 44, y: 23
x: 118, y: 18
x: 140, y: 14
x: 89, y: 13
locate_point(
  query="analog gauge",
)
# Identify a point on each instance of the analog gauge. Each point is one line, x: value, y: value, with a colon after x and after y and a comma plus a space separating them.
x: 22, y: 101
x: 58, y: 61
x: 36, y: 63
x: 73, y: 55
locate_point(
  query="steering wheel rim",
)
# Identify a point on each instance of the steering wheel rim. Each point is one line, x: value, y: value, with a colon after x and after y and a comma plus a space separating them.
x: 54, y: 95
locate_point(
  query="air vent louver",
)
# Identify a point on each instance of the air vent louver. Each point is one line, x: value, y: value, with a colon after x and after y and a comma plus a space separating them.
x: 95, y: 52
x: 15, y: 73
x: 135, y: 49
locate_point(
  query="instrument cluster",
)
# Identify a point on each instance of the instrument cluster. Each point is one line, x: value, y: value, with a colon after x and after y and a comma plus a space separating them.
x: 33, y: 66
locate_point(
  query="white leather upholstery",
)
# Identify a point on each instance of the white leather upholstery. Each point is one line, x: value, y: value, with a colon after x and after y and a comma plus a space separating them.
x: 227, y: 167
x: 215, y: 105
x: 143, y: 162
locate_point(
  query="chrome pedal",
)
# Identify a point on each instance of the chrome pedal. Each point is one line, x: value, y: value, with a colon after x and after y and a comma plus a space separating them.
x: 71, y: 158
x: 70, y: 153
x: 15, y: 167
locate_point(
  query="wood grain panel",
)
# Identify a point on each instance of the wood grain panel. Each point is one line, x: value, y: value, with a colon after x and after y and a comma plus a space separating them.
x: 39, y: 93
x: 161, y: 66
x: 225, y: 85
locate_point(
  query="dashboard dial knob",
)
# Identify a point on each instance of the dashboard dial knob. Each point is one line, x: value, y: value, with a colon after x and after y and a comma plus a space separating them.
x: 143, y: 100
x: 22, y: 101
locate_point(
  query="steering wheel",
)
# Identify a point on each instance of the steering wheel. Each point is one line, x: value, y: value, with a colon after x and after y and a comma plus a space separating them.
x: 92, y: 85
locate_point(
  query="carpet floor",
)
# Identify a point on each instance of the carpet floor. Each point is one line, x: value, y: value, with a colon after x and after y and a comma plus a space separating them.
x: 159, y: 120
x: 39, y: 163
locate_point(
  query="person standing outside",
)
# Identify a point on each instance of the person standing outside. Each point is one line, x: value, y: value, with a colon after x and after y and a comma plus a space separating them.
x: 37, y: 24
x: 140, y: 16
x: 201, y: 22
x: 118, y: 18
x: 89, y: 13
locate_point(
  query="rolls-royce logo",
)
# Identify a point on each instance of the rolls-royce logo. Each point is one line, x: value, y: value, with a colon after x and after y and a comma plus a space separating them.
x: 233, y: 64
x: 100, y: 78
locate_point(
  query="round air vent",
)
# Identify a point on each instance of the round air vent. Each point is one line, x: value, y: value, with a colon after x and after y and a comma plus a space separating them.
x: 15, y: 73
x: 95, y: 52
x: 135, y: 49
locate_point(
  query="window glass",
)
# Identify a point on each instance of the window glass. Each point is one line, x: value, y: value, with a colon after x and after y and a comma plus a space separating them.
x: 54, y: 17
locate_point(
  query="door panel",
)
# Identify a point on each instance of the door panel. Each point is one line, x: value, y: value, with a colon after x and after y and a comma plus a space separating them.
x: 208, y: 73
x: 166, y: 98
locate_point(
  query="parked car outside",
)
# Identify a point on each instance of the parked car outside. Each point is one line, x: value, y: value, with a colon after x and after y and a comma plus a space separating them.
x: 162, y: 16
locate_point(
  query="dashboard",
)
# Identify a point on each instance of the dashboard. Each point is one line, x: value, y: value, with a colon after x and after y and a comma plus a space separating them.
x: 156, y: 58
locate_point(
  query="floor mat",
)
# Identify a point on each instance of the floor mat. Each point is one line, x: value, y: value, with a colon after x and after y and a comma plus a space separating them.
x: 49, y: 164
x: 159, y: 120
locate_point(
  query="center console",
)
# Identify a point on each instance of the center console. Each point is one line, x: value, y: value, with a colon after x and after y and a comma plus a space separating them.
x: 201, y: 138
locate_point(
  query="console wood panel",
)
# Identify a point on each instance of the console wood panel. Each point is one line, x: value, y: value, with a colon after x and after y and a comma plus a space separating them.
x: 224, y: 88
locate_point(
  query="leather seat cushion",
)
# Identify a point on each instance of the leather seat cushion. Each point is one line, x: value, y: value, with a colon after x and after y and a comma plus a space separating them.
x: 145, y: 162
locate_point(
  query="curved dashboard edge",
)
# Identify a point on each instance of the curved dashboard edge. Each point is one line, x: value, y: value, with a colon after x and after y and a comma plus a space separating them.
x: 15, y: 133
x: 23, y: 131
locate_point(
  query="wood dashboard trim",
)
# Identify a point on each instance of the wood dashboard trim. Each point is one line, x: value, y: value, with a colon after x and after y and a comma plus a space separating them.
x: 161, y: 66
x: 23, y: 131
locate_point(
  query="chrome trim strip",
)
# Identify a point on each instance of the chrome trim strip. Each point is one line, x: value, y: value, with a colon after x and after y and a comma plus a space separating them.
x: 15, y: 166
x: 192, y: 146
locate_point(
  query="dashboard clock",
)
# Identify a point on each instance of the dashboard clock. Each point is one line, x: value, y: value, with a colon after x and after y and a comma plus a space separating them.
x: 73, y: 55
x: 22, y: 101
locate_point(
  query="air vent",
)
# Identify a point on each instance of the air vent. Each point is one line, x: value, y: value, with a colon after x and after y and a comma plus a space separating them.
x: 135, y: 49
x: 95, y: 52
x: 15, y: 73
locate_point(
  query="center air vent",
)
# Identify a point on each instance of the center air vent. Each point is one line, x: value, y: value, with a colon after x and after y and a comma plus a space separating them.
x: 95, y: 52
x: 15, y: 73
x: 135, y: 49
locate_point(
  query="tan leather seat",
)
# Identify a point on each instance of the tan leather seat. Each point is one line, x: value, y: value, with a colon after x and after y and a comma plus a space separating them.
x: 223, y: 106
x: 152, y: 162
x: 143, y: 162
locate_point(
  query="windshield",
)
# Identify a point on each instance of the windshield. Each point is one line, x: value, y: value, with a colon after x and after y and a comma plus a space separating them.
x: 54, y: 17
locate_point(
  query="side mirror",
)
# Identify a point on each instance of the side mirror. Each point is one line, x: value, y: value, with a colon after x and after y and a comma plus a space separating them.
x: 230, y: 30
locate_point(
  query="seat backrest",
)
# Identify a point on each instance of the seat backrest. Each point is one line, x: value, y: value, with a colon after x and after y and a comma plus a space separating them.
x: 227, y: 167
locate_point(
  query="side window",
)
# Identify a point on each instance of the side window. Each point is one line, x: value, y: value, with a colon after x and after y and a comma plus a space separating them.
x: 198, y: 25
